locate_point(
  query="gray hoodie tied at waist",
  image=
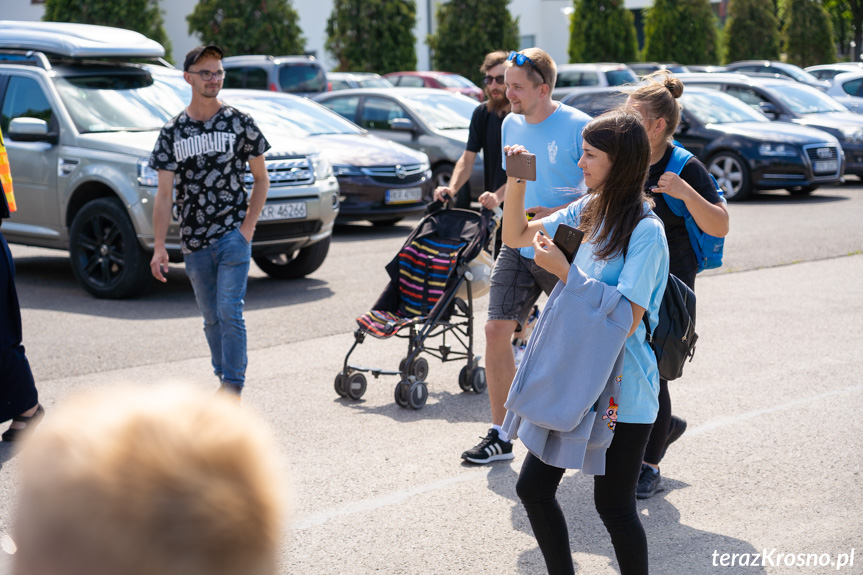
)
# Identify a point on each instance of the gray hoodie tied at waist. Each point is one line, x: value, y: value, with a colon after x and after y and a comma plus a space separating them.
x: 571, y: 371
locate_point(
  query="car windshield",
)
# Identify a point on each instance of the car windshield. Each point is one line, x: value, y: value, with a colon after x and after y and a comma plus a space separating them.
x: 119, y: 102
x: 295, y: 117
x: 620, y: 77
x: 454, y: 81
x: 806, y: 100
x: 716, y: 108
x: 443, y: 111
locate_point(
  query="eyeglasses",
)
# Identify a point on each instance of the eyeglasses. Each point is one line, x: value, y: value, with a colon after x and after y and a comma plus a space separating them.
x: 206, y: 75
x: 487, y: 80
x: 520, y: 59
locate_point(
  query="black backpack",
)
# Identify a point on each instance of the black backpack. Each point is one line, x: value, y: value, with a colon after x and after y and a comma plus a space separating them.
x: 673, y: 340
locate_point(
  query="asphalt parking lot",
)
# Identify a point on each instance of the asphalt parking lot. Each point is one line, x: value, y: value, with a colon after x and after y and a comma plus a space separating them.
x: 771, y: 460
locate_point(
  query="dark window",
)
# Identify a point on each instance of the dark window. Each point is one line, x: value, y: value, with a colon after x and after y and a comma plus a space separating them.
x: 378, y: 113
x: 853, y: 87
x: 250, y: 77
x: 24, y: 99
x: 345, y: 107
x: 340, y: 84
x: 302, y: 77
x: 568, y: 79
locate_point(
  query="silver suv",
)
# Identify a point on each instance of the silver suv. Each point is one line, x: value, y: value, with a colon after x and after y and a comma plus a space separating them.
x: 299, y: 75
x: 79, y: 125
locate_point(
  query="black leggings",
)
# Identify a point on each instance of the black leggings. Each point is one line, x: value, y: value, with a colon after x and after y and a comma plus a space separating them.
x: 659, y: 435
x: 614, y: 497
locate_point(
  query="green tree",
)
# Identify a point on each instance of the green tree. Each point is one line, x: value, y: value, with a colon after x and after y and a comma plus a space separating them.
x: 467, y: 31
x: 807, y: 33
x: 681, y: 31
x: 372, y: 35
x: 602, y: 31
x: 142, y: 16
x: 751, y: 31
x: 847, y: 21
x: 244, y: 27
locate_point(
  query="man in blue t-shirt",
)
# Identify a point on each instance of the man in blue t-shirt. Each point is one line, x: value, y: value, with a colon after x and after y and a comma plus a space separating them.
x: 552, y: 131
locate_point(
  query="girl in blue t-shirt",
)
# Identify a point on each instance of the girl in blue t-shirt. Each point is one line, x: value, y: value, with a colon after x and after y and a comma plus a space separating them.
x: 624, y: 246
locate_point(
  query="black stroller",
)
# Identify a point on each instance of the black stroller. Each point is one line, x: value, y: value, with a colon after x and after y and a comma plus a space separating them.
x: 430, y: 295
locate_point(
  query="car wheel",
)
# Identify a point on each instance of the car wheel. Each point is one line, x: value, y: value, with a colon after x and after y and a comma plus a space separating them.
x: 801, y: 190
x: 106, y: 257
x: 442, y: 176
x: 294, y: 265
x: 732, y: 174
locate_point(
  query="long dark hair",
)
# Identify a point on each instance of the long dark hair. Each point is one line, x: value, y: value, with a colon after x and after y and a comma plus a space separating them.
x: 615, y: 207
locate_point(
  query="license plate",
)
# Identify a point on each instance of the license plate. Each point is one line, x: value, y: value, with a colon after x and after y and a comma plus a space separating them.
x: 283, y: 211
x: 404, y: 195
x: 822, y: 166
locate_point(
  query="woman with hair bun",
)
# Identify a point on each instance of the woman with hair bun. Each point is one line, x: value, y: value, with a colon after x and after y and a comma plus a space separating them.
x: 657, y: 102
x: 624, y: 248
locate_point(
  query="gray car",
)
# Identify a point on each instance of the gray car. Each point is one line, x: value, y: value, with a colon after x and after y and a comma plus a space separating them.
x: 79, y: 135
x: 300, y: 75
x: 433, y: 121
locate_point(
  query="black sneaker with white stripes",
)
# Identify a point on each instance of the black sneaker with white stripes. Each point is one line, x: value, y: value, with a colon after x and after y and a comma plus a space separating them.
x: 491, y: 448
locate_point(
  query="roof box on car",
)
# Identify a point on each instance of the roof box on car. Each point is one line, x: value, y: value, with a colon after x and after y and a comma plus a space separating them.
x: 77, y: 40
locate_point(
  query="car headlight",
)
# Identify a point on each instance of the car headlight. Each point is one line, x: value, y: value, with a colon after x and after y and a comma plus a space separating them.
x: 771, y: 149
x: 425, y: 165
x: 322, y: 166
x: 147, y: 176
x: 852, y: 134
x: 343, y: 170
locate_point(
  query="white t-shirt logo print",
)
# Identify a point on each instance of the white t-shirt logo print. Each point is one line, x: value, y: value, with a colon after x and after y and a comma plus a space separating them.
x: 552, y: 152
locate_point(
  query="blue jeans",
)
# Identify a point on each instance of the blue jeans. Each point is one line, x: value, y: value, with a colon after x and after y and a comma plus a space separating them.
x: 219, y: 274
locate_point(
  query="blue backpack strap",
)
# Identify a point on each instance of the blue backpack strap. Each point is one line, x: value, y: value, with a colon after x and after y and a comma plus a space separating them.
x: 679, y: 157
x: 708, y: 249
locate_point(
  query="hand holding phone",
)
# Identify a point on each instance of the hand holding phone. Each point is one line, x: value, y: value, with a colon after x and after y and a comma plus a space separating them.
x: 568, y: 239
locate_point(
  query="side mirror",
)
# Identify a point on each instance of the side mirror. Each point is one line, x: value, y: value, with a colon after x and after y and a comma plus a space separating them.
x: 768, y: 109
x: 402, y: 125
x: 30, y: 130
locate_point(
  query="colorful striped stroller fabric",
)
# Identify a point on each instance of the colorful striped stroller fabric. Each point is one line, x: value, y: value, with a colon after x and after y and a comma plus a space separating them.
x: 425, y: 265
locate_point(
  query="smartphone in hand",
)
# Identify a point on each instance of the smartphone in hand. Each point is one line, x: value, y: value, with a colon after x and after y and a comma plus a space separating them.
x: 521, y: 166
x: 568, y: 239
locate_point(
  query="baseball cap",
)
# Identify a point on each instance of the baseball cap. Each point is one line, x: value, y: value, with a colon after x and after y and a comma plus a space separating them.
x: 195, y: 54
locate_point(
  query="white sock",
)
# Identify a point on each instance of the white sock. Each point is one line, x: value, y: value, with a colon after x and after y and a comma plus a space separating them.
x: 501, y: 434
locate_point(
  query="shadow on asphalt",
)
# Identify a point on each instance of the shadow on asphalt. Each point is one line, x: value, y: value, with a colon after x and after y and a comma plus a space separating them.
x: 47, y: 283
x: 451, y: 406
x: 671, y: 545
x: 361, y: 231
x: 783, y: 198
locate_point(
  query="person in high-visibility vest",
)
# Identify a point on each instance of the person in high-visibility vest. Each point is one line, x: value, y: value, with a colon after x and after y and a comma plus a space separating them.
x: 6, y: 177
x: 19, y: 399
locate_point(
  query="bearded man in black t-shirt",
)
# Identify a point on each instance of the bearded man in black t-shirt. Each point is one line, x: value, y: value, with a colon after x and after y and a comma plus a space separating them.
x: 203, y: 153
x: 484, y: 135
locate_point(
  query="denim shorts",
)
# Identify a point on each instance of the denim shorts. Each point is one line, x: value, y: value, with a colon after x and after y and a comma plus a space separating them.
x: 516, y: 283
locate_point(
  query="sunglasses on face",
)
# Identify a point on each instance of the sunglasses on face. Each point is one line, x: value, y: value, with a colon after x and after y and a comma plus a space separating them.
x: 206, y: 75
x: 487, y: 80
x: 520, y: 59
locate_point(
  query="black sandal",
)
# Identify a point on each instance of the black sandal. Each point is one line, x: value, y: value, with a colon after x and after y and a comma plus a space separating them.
x: 12, y: 435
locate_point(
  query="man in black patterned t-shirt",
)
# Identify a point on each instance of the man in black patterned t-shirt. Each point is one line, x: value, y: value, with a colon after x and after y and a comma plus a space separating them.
x: 203, y: 153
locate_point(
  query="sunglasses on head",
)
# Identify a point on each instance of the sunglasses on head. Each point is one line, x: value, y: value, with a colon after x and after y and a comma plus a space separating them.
x: 487, y: 80
x: 520, y: 59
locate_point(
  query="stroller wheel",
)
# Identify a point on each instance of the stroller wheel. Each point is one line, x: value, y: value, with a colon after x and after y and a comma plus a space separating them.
x: 420, y: 368
x: 341, y: 381
x: 418, y: 394
x: 464, y: 379
x: 402, y: 391
x: 477, y: 380
x: 356, y: 386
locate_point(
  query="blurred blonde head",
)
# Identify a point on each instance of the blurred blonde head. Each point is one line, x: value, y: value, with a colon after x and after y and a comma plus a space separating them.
x: 164, y: 480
